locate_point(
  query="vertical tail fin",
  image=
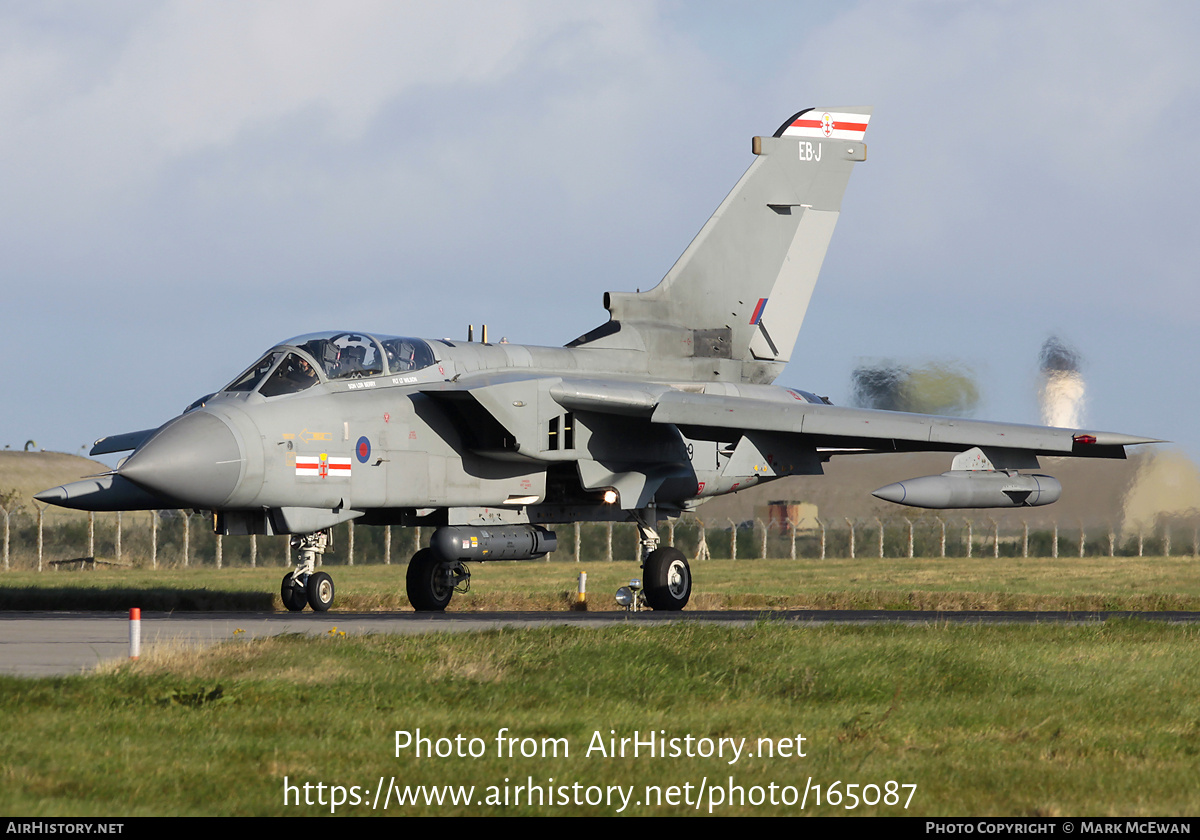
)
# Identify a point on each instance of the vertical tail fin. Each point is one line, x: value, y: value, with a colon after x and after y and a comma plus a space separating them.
x: 734, y: 301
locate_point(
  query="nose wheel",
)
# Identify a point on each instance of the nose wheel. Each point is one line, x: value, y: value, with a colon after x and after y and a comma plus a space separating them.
x: 294, y: 593
x: 319, y: 591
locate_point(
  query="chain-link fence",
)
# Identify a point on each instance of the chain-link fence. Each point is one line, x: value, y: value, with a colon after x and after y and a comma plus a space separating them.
x: 47, y: 538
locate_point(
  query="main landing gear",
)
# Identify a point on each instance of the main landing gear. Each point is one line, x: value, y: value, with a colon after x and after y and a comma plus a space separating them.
x: 666, y: 576
x: 304, y: 585
x: 436, y: 573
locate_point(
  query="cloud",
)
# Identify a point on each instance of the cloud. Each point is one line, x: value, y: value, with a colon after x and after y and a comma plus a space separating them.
x: 301, y: 139
x: 200, y: 179
x: 1015, y: 142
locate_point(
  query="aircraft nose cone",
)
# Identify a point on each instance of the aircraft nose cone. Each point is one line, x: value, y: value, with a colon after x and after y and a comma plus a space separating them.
x: 194, y: 458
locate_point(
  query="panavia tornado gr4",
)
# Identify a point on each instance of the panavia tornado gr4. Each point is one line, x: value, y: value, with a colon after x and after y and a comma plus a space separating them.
x: 645, y: 417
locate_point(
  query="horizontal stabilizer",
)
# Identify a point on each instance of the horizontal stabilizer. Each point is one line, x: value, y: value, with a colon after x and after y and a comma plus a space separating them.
x: 121, y: 443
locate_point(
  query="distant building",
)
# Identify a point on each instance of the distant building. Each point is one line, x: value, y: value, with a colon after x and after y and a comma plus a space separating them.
x: 781, y: 516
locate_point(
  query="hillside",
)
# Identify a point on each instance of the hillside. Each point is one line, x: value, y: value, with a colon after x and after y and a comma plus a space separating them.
x: 32, y: 472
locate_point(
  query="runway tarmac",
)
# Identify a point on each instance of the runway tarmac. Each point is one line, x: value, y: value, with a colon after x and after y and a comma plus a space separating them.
x: 41, y: 644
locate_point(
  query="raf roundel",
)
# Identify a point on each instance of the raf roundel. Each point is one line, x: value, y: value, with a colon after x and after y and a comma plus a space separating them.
x: 363, y: 449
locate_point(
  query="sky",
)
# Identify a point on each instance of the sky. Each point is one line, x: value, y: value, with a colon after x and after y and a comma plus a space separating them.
x: 183, y: 185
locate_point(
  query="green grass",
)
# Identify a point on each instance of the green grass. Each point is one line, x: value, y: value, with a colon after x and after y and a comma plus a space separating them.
x: 1071, y: 583
x: 1023, y: 721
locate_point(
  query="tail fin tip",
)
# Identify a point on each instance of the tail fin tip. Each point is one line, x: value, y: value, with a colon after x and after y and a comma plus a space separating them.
x: 845, y: 123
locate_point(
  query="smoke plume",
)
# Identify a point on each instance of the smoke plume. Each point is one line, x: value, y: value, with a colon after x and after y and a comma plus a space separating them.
x: 934, y: 388
x: 1061, y: 391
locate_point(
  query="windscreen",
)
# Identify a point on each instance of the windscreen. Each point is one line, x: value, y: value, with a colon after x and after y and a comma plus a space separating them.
x: 293, y: 375
x: 254, y: 373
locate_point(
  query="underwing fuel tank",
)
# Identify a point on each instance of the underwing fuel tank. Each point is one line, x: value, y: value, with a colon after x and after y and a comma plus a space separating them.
x: 505, y: 542
x: 973, y: 489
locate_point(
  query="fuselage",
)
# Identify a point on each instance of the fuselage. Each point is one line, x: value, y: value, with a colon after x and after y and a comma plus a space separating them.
x: 348, y: 425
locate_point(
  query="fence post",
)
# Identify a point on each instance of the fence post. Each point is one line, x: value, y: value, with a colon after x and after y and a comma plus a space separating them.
x: 732, y: 540
x: 970, y: 537
x: 879, y: 522
x: 1166, y: 539
x: 942, y: 522
x: 387, y: 545
x: 187, y: 534
x: 1112, y: 538
x: 910, y: 537
x: 253, y: 551
x: 1082, y: 537
x: 41, y: 510
x: 792, y: 531
x: 578, y: 540
x: 153, y: 539
x: 1025, y: 542
x: 851, y: 524
x: 702, y: 552
x: 118, y: 546
x: 91, y: 534
x: 821, y: 525
x: 350, y: 548
x: 608, y: 542
x: 1140, y: 541
x: 218, y: 551
x: 6, y: 515
x: 1055, y: 546
x: 762, y: 551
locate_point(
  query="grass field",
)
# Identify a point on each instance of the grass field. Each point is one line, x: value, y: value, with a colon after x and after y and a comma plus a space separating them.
x: 1092, y: 583
x: 1006, y: 720
x: 1041, y: 720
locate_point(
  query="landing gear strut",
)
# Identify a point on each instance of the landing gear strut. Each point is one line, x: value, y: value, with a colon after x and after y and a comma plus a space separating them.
x: 304, y: 585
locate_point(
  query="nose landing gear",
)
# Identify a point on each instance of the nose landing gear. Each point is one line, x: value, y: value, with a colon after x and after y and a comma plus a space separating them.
x: 304, y: 585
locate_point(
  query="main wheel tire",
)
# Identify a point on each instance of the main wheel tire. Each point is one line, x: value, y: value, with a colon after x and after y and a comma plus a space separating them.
x: 668, y: 584
x: 426, y: 583
x: 320, y: 592
x: 293, y: 593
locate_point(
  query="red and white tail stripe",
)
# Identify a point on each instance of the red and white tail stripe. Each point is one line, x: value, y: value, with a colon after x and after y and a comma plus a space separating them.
x: 836, y: 125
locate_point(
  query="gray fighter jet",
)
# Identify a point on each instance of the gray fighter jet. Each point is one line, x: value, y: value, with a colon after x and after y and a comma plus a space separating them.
x: 664, y: 406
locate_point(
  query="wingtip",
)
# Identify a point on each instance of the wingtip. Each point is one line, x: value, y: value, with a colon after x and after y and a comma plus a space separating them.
x: 1114, y: 439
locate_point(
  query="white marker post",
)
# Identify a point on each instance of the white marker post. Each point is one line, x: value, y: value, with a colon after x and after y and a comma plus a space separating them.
x: 581, y: 598
x: 135, y: 632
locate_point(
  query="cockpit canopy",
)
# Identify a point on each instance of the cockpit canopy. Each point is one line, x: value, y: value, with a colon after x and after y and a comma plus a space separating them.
x: 305, y: 360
